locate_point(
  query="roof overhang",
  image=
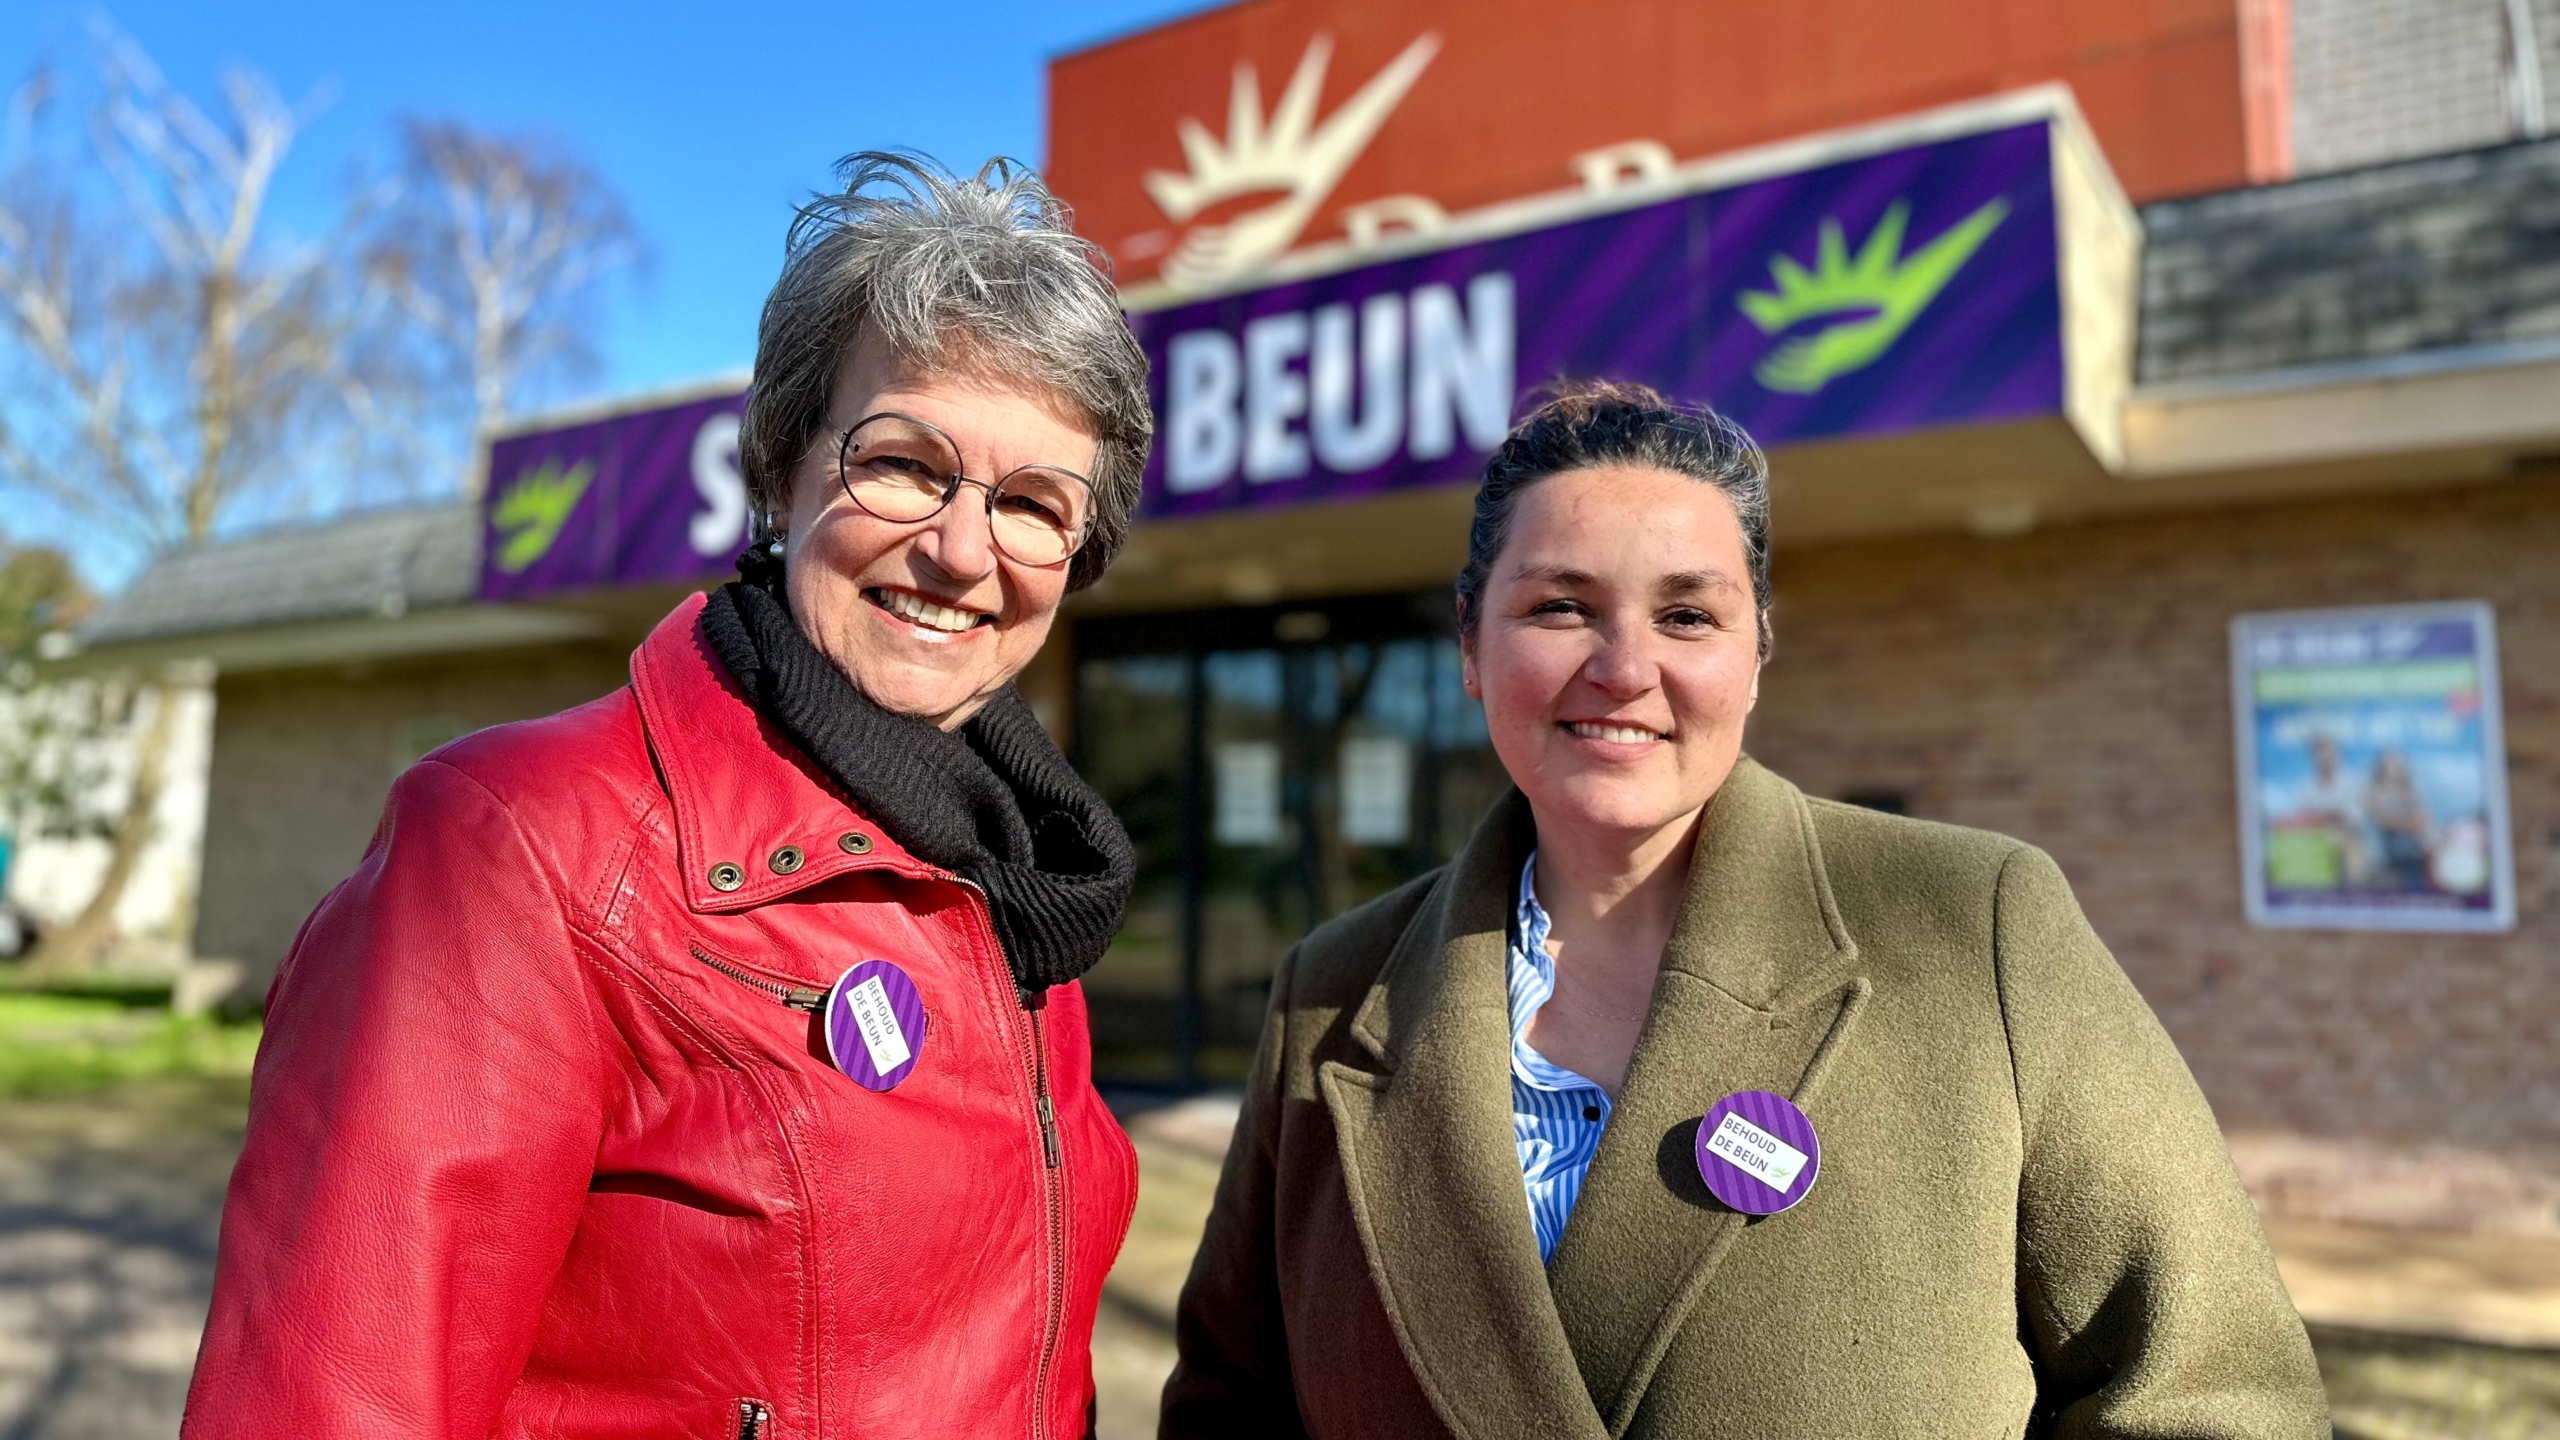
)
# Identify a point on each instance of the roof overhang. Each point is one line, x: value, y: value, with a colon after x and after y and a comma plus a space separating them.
x: 438, y: 630
x: 2493, y: 401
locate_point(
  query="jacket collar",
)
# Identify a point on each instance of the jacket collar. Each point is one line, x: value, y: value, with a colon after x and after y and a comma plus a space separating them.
x: 1757, y: 991
x: 741, y: 790
x: 1759, y: 923
x: 1430, y: 1168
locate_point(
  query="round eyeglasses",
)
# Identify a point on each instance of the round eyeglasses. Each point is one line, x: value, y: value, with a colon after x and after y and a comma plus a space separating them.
x: 903, y: 470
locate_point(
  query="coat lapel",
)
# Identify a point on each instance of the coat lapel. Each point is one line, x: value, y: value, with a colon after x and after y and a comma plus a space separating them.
x: 1759, y: 991
x: 1433, y: 1174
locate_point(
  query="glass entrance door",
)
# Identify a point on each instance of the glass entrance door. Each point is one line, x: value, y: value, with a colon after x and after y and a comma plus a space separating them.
x: 1275, y: 770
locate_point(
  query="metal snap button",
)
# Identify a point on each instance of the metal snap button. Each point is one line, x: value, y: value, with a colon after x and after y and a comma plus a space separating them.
x: 785, y: 860
x: 854, y: 842
x: 727, y: 875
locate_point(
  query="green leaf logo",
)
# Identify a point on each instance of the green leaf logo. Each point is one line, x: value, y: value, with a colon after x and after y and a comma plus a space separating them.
x: 531, y: 511
x: 1880, y: 280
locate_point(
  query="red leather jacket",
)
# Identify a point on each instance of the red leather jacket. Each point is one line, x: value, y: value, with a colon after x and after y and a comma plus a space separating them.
x: 539, y: 1145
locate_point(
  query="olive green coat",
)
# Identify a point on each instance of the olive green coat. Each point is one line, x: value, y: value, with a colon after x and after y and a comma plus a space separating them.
x: 2025, y: 1221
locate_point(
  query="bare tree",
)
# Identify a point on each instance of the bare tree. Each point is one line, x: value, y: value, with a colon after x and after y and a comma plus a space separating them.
x: 57, y: 739
x: 51, y: 736
x: 493, y: 248
x: 172, y: 366
x: 171, y: 357
x: 56, y: 777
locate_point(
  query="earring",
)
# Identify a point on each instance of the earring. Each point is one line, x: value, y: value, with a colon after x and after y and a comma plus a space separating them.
x: 774, y: 547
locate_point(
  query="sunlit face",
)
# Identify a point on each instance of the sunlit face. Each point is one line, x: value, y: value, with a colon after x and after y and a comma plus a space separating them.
x: 1617, y: 649
x: 927, y: 618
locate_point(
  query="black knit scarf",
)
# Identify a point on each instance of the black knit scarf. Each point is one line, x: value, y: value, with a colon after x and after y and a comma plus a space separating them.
x: 993, y: 802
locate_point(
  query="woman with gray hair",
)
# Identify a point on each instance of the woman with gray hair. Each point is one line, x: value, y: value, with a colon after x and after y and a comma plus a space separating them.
x: 1682, y: 1104
x: 709, y: 1059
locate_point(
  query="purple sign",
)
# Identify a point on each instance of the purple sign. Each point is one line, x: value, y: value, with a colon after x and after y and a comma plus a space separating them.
x: 1757, y: 1152
x: 875, y: 1025
x: 651, y: 496
x: 1909, y: 289
x: 1889, y: 293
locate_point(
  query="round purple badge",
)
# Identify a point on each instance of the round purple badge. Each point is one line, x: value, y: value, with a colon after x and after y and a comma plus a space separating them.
x: 1756, y: 1151
x: 875, y: 1024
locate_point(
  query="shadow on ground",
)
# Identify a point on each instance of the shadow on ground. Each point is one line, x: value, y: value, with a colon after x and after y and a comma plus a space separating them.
x: 109, y: 1203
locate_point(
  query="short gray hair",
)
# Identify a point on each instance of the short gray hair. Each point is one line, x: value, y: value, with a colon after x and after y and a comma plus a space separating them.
x: 1592, y: 424
x: 983, y: 273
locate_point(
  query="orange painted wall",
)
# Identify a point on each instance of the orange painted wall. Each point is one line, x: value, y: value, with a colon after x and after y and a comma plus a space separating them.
x: 1520, y: 86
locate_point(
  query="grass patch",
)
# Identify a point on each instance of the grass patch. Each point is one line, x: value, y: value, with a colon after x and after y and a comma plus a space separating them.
x: 54, y: 1043
x: 136, y: 992
x: 2408, y: 1387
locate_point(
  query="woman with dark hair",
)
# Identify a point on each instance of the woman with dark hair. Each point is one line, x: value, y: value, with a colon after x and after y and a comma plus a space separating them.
x: 708, y: 1060
x: 1682, y: 1104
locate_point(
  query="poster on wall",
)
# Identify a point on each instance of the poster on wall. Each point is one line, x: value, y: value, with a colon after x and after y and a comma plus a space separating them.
x: 2373, y: 784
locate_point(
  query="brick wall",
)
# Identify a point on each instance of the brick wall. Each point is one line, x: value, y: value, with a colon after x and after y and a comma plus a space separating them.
x: 303, y: 760
x: 2071, y: 688
x: 2376, y: 80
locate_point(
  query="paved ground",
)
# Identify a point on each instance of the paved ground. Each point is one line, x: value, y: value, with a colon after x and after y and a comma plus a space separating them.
x: 2494, y: 1288
x: 109, y: 1200
x: 1178, y: 1155
x: 108, y: 1209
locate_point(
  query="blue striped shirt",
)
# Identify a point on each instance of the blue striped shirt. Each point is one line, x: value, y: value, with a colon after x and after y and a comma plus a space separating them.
x: 1556, y: 1115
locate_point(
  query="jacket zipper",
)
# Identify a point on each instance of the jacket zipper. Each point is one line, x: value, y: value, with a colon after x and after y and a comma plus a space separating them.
x: 1040, y: 1088
x: 1054, y: 1202
x: 1053, y: 1199
x: 798, y: 997
x: 753, y: 1416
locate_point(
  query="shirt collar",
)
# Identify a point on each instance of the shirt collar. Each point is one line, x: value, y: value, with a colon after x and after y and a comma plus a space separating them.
x: 1529, y: 923
x: 1530, y: 982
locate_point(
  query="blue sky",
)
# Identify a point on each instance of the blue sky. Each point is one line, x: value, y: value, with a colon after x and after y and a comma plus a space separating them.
x: 712, y: 120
